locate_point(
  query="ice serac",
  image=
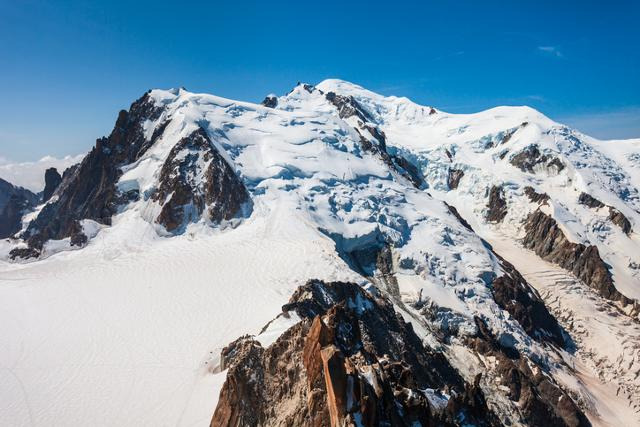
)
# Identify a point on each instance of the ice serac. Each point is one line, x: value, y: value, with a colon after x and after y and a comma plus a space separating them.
x: 195, y: 177
x: 351, y: 360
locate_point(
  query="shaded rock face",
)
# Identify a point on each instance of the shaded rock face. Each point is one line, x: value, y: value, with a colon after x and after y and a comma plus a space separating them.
x: 539, y: 399
x: 527, y: 159
x: 620, y: 220
x: 497, y: 205
x: 184, y: 194
x: 347, y: 107
x: 512, y: 293
x: 52, y: 180
x: 546, y: 239
x: 535, y: 197
x: 14, y: 203
x: 352, y: 360
x: 590, y: 201
x: 455, y: 175
x: 90, y: 191
x: 270, y: 101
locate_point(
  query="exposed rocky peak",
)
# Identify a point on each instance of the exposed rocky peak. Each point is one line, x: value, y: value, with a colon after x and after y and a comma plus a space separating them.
x: 547, y: 240
x: 351, y: 360
x: 531, y: 158
x: 14, y: 203
x: 52, y: 180
x: 89, y: 190
x: 196, y: 178
x: 497, y: 205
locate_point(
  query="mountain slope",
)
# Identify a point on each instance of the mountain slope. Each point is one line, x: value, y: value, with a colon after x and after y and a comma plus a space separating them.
x: 199, y: 216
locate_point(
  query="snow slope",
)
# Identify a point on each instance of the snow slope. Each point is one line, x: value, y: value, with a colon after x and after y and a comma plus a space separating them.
x: 125, y: 331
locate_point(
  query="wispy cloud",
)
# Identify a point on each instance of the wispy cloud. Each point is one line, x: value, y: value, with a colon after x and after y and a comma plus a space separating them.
x: 551, y: 50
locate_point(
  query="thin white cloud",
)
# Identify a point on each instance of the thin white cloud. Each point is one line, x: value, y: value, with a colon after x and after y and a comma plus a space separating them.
x: 30, y: 175
x: 551, y: 50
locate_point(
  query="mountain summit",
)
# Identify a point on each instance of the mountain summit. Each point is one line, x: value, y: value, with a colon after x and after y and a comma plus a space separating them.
x: 406, y: 265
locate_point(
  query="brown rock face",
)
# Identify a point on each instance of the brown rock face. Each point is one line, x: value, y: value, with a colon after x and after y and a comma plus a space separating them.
x: 590, y: 201
x: 547, y: 240
x: 620, y: 220
x: 540, y: 400
x: 455, y: 175
x: 184, y: 196
x: 531, y: 156
x: 513, y: 294
x: 497, y: 205
x: 536, y: 197
x: 351, y: 361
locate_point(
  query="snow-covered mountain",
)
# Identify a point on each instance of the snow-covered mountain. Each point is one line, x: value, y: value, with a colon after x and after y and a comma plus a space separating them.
x: 504, y: 244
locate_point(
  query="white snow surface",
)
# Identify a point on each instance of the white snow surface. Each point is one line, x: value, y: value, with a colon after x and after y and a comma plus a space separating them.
x: 126, y: 330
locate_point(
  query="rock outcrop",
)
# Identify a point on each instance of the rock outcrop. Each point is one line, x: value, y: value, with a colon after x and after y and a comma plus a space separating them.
x: 535, y: 197
x: 52, y: 180
x: 14, y: 203
x: 352, y: 360
x: 529, y: 158
x: 497, y: 205
x: 546, y: 239
x: 196, y: 177
x: 454, y: 177
x: 615, y: 216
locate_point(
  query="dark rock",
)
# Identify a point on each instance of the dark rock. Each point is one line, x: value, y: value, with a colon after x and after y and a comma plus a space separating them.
x: 408, y: 170
x: 351, y: 358
x: 546, y: 239
x: 459, y: 217
x: 52, y: 180
x: 497, y: 205
x: 620, y: 220
x: 455, y: 175
x: 615, y: 215
x: 539, y: 399
x: 590, y: 201
x: 512, y: 293
x: 14, y: 203
x: 531, y: 156
x: 347, y: 107
x: 270, y: 101
x: 535, y: 197
x: 88, y: 191
x: 184, y: 198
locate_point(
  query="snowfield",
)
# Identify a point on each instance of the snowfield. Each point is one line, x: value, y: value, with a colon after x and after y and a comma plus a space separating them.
x: 127, y: 330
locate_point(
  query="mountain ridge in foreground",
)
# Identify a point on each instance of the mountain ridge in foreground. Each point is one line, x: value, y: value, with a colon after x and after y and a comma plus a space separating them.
x: 427, y: 267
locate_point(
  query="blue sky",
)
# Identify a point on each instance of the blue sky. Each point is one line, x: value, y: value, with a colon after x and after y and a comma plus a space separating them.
x: 67, y: 67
